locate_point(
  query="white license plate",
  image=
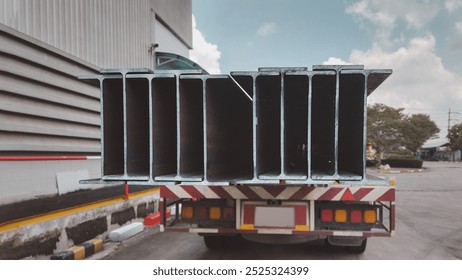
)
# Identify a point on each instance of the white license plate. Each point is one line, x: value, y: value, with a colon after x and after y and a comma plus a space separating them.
x: 280, y: 217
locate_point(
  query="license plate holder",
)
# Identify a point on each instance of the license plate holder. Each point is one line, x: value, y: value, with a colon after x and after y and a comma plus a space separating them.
x: 274, y: 217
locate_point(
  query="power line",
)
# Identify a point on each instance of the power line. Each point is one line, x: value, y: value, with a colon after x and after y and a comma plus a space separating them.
x: 433, y: 110
x: 451, y: 119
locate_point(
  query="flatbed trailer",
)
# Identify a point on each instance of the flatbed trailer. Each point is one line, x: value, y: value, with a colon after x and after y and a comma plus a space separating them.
x: 276, y: 155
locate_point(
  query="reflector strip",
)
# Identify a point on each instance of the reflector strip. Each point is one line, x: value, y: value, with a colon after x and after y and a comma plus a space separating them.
x: 167, y: 192
x: 302, y: 228
x: 388, y: 196
x: 262, y: 192
x: 248, y: 192
x: 203, y: 230
x: 361, y: 193
x: 301, y: 193
x: 287, y: 193
x: 347, y: 196
x: 193, y: 192
x: 247, y: 227
x: 331, y: 193
x: 220, y: 192
x: 275, y: 192
x: 392, y: 218
x: 347, y: 233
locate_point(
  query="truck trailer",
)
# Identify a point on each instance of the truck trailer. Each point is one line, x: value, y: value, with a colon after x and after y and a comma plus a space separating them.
x: 276, y: 155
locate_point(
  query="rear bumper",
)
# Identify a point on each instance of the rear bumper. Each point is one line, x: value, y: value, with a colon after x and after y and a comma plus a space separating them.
x: 319, y: 233
x: 307, y: 218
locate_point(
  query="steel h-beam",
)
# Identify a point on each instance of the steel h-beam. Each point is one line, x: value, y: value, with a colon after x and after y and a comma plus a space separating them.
x: 290, y: 125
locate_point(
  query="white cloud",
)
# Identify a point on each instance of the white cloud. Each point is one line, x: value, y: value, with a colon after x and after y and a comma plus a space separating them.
x: 452, y: 5
x: 459, y: 26
x: 335, y: 61
x: 266, y: 29
x: 419, y: 79
x: 204, y: 53
x: 368, y: 10
x: 385, y: 15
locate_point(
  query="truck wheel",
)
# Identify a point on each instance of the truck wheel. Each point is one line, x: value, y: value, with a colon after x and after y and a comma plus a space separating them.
x: 358, y: 249
x: 213, y: 242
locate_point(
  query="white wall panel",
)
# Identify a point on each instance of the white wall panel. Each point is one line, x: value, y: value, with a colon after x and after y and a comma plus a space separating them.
x: 168, y: 42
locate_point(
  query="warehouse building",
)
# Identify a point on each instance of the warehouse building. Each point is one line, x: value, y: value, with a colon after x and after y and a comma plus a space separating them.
x: 49, y: 120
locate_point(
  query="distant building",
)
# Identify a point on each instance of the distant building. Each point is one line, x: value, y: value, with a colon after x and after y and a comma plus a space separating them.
x: 438, y: 150
x: 47, y: 115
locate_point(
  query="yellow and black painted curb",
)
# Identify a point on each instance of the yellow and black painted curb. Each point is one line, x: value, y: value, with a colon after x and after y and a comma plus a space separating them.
x: 81, y: 251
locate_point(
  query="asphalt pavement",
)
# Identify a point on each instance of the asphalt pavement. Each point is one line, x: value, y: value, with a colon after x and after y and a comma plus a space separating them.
x: 429, y: 226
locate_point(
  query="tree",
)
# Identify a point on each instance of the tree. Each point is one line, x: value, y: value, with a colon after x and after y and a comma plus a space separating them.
x: 383, y: 128
x: 416, y: 130
x: 391, y: 131
x: 455, y: 137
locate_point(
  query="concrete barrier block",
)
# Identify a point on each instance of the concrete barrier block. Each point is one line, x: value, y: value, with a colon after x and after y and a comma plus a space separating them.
x: 80, y: 252
x: 126, y: 231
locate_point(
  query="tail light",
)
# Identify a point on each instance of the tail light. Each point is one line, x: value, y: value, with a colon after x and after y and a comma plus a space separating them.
x: 187, y: 212
x: 215, y: 213
x: 356, y: 216
x: 349, y: 214
x: 340, y: 216
x: 203, y: 212
x: 327, y: 215
x: 228, y: 213
x: 370, y: 216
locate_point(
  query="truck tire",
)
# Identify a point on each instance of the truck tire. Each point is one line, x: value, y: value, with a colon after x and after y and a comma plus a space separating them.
x: 333, y: 248
x: 358, y: 249
x: 214, y: 242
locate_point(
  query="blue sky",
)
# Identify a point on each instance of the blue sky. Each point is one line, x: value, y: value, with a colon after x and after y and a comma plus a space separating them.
x: 291, y: 32
x: 421, y: 40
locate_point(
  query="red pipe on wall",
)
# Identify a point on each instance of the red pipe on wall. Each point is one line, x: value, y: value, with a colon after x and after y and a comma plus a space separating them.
x: 45, y: 158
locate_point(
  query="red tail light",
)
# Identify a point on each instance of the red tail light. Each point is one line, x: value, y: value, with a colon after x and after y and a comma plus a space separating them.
x: 228, y: 213
x: 327, y: 215
x: 201, y: 213
x: 356, y: 216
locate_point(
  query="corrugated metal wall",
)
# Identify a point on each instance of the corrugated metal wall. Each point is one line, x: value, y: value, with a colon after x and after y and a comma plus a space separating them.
x: 110, y: 34
x: 43, y: 106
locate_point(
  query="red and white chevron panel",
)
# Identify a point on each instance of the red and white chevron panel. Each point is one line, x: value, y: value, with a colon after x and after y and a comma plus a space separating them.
x: 330, y: 193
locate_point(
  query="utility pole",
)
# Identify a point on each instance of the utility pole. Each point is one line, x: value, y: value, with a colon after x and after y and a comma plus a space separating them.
x: 450, y: 119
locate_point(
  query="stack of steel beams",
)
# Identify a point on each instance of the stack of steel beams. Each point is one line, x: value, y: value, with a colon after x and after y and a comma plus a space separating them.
x: 274, y: 125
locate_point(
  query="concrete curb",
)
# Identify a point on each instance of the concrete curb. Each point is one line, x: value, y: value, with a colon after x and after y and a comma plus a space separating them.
x: 399, y: 171
x: 81, y: 251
